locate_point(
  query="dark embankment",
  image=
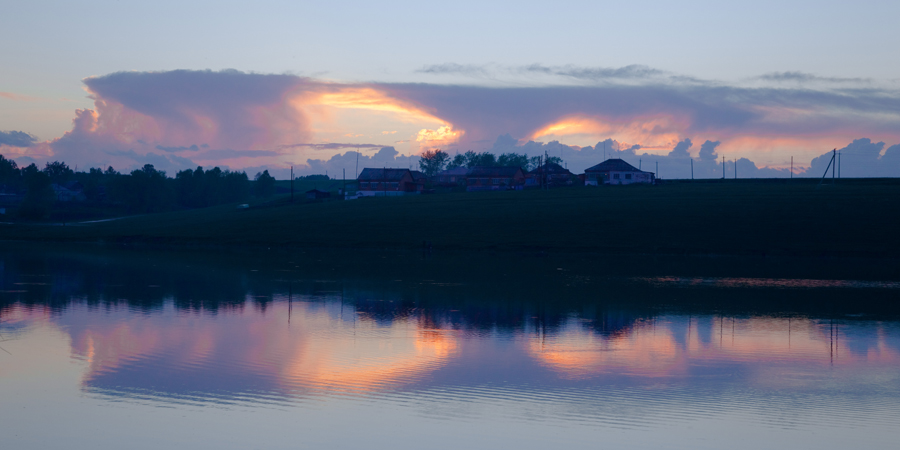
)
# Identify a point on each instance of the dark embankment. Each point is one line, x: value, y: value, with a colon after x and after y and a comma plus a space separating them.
x: 737, y: 217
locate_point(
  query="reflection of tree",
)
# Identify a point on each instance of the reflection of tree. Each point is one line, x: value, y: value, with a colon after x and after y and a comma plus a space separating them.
x: 484, y: 302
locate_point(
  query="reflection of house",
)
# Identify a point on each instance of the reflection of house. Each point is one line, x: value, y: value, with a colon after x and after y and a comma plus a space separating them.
x: 316, y: 194
x: 494, y: 178
x: 550, y: 174
x: 616, y: 171
x: 385, y: 182
x: 452, y: 177
x: 67, y: 192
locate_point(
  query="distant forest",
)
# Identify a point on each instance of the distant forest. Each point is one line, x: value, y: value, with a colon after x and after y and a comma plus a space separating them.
x: 144, y: 190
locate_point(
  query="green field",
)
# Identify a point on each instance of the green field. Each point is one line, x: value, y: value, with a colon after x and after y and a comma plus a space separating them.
x: 736, y: 217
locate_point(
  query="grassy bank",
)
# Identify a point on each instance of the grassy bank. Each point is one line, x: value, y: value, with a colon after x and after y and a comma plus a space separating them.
x: 789, y: 217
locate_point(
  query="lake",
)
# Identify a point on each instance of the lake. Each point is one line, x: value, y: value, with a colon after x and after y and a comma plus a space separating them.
x: 147, y: 348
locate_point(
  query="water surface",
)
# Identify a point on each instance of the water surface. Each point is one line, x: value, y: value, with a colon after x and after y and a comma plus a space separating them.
x: 150, y: 349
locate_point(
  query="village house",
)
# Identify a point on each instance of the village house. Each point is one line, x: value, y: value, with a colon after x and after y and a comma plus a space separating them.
x: 452, y: 177
x: 389, y: 182
x: 494, y: 178
x: 419, y: 178
x: 550, y: 175
x: 67, y: 192
x: 616, y: 171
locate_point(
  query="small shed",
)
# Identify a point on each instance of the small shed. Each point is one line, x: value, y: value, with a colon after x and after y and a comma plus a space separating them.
x: 317, y: 194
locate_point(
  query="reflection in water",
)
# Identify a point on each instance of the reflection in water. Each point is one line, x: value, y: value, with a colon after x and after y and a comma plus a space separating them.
x: 614, y: 353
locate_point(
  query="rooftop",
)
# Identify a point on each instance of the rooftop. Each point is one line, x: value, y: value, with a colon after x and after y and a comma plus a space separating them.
x: 383, y: 174
x: 613, y: 165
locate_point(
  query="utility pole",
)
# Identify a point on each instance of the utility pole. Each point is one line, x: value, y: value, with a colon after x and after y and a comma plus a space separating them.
x: 834, y: 160
x: 831, y: 165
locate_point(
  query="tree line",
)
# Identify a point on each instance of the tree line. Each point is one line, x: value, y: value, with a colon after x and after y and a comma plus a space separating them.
x: 143, y: 190
x: 432, y: 162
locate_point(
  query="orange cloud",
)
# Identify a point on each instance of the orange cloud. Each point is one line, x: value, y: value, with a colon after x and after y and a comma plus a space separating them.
x: 440, y: 137
x: 661, y: 131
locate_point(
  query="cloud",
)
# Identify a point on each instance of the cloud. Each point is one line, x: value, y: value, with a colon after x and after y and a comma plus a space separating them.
x: 862, y: 158
x: 655, y: 115
x: 275, y: 119
x: 634, y: 71
x: 350, y: 161
x: 331, y: 146
x: 193, y: 148
x: 582, y: 73
x: 455, y: 69
x: 708, y: 151
x: 802, y: 77
x: 17, y: 139
x: 227, y: 153
x: 18, y: 97
x: 230, y: 108
x: 681, y: 150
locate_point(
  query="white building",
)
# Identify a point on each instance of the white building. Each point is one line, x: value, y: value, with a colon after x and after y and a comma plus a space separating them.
x: 616, y: 171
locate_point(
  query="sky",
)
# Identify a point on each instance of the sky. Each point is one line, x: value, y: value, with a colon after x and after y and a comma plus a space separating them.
x: 275, y: 84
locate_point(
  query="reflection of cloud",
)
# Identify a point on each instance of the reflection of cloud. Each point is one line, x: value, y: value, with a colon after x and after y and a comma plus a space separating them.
x: 371, y: 363
x: 245, y: 352
x: 577, y: 353
x: 663, y: 349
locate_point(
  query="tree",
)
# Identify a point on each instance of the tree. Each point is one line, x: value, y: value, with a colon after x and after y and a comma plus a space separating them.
x: 58, y: 172
x: 433, y: 161
x: 39, y: 197
x: 513, y: 159
x: 457, y: 161
x: 10, y: 177
x: 264, y: 185
x: 146, y: 190
x: 480, y: 159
